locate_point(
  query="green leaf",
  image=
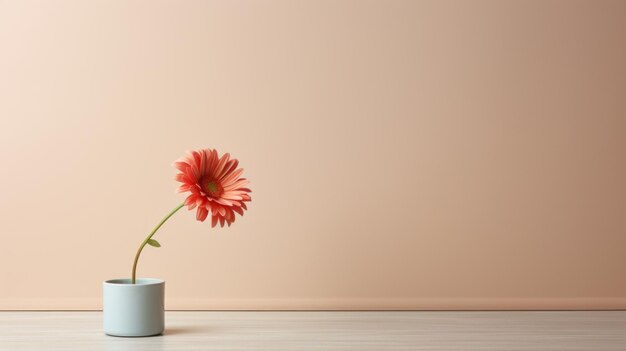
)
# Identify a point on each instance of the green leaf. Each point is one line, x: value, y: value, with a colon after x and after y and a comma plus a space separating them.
x: 154, y: 243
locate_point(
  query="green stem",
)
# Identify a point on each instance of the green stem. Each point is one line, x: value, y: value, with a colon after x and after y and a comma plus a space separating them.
x: 150, y: 237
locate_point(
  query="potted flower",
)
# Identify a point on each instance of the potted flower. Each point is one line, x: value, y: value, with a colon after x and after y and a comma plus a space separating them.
x: 135, y: 306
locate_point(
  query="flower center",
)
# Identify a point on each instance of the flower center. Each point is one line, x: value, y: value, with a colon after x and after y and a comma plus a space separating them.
x: 211, y: 187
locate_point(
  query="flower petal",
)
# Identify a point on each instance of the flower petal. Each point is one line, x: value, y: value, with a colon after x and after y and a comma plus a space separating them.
x: 201, y: 214
x: 238, y: 184
x: 220, y: 166
x: 190, y: 201
x: 183, y: 188
x: 230, y: 167
x: 232, y: 177
x: 181, y: 166
x: 238, y: 210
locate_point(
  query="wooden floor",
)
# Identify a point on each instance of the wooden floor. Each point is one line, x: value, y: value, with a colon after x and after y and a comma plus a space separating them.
x: 326, y: 331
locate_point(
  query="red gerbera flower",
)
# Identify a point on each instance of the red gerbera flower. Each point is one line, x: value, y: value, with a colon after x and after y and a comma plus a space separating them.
x: 215, y: 185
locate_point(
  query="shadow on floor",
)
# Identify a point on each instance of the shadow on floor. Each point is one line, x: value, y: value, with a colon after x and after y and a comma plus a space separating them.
x: 187, y: 330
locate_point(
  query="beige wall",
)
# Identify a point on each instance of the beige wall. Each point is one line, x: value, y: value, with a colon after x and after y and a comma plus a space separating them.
x: 464, y: 154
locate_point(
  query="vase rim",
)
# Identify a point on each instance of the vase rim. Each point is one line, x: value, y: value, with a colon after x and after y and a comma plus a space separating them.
x: 138, y: 282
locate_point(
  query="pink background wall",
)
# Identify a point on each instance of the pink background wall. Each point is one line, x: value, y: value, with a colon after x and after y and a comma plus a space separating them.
x: 403, y: 154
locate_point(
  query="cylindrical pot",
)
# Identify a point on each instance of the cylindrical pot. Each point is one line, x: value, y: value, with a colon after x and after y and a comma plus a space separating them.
x: 133, y: 309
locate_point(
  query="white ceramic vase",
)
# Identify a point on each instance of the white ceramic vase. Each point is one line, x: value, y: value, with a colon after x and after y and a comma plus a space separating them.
x: 133, y: 309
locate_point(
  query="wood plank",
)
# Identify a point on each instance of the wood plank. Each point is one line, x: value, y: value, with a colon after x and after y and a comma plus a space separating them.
x: 545, y: 330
